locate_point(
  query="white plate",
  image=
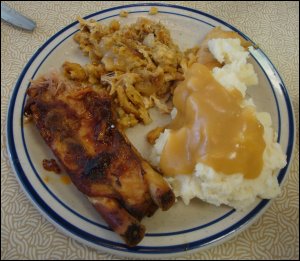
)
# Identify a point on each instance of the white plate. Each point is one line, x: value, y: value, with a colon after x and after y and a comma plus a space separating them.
x: 180, y: 230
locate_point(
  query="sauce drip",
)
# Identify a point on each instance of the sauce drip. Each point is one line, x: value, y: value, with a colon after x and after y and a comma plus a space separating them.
x: 46, y: 179
x: 213, y: 128
x: 65, y: 180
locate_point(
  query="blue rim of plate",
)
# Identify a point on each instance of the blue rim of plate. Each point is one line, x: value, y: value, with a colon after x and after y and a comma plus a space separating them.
x: 58, y: 220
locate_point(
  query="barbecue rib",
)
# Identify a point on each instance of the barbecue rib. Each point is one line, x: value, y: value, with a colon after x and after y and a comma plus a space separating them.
x: 78, y: 124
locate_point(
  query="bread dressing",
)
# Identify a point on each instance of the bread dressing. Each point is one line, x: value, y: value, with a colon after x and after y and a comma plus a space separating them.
x: 212, y: 127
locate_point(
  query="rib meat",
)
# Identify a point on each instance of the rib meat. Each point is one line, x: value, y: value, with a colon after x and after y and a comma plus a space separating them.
x: 79, y: 125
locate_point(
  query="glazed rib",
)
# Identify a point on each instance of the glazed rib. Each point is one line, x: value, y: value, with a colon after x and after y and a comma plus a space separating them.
x: 78, y: 124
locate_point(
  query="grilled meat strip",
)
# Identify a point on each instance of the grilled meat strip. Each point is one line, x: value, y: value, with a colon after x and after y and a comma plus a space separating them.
x: 79, y: 125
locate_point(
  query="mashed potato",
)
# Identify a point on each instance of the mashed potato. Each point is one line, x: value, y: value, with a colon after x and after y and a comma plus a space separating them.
x: 236, y: 73
x: 138, y: 63
x: 215, y: 187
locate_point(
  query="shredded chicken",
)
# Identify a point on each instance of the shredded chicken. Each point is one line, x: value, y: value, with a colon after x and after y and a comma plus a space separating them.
x: 139, y: 64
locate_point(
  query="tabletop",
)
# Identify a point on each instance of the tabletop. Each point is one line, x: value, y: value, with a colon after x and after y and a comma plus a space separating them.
x: 26, y: 234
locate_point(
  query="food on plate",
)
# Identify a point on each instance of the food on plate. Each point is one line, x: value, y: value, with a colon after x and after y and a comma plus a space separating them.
x: 123, y: 13
x: 74, y: 71
x: 154, y: 134
x: 51, y: 165
x: 218, y: 147
x: 153, y: 10
x: 206, y: 57
x: 80, y: 127
x: 139, y: 64
x: 65, y: 179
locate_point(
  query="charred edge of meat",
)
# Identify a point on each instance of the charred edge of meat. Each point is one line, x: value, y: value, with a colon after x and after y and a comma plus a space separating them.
x: 103, y: 132
x: 99, y: 108
x: 60, y: 118
x: 95, y: 168
x: 133, y: 234
x: 37, y: 88
x: 133, y: 210
x: 55, y: 118
x: 51, y: 165
x: 152, y: 209
x: 167, y: 199
x: 75, y: 152
x: 27, y: 109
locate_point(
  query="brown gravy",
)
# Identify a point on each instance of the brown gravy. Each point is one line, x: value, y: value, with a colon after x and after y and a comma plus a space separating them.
x: 213, y: 128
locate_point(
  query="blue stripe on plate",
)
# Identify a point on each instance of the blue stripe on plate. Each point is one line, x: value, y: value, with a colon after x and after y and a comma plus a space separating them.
x: 122, y: 247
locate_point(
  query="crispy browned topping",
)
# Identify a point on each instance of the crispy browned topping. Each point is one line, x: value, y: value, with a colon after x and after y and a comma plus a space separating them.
x: 51, y: 165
